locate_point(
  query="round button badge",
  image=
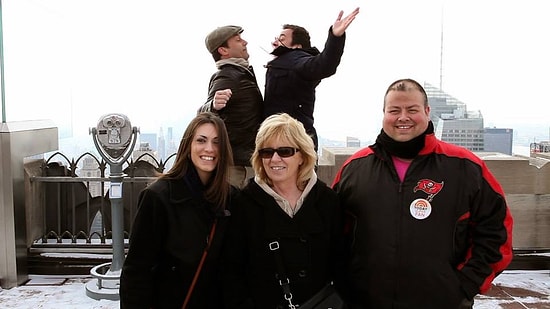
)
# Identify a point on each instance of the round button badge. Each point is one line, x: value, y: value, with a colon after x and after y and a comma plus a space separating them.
x: 420, y: 209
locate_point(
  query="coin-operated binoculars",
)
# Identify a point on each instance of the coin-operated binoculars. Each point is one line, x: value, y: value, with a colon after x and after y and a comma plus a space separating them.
x: 114, y: 138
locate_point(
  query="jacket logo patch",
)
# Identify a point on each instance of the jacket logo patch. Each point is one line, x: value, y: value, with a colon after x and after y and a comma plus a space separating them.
x: 430, y: 187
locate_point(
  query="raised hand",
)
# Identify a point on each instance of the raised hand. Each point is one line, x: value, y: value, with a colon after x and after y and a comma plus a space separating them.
x: 340, y: 25
x: 220, y: 99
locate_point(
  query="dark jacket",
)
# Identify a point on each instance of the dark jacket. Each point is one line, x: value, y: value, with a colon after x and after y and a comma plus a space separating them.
x: 459, y: 241
x: 244, y: 111
x: 169, y: 235
x: 308, y: 244
x: 291, y: 79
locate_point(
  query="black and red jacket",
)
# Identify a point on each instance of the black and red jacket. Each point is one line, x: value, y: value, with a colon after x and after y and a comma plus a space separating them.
x: 440, y: 236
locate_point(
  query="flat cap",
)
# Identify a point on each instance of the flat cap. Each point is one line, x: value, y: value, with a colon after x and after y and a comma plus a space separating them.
x: 217, y: 37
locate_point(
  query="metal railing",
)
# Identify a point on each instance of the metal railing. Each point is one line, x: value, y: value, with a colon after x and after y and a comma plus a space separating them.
x: 71, y: 213
x: 75, y: 210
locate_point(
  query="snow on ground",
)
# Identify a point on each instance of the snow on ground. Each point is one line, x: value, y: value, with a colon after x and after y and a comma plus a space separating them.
x: 70, y: 294
x: 533, y: 288
x: 54, y: 292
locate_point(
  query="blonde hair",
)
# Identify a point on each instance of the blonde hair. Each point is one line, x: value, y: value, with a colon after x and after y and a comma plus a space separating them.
x: 284, y: 127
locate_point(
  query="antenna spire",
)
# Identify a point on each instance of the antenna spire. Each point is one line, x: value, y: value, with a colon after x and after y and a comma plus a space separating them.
x: 441, y: 53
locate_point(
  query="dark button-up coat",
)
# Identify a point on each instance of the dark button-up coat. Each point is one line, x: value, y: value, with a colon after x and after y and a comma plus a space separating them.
x: 309, y: 246
x: 169, y: 235
x: 291, y: 79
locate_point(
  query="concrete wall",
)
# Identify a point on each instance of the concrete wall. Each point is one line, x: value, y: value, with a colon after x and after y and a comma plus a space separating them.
x: 526, y: 183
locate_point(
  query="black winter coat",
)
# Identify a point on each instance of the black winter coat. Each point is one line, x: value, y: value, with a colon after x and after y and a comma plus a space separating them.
x: 167, y: 241
x: 291, y: 79
x: 309, y: 244
x: 243, y: 113
x: 429, y: 242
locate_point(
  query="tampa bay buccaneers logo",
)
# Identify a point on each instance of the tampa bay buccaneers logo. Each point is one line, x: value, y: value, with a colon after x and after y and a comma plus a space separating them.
x: 429, y: 186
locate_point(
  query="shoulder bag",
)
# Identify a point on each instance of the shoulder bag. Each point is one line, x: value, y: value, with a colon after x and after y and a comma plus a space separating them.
x: 198, y: 271
x: 326, y: 298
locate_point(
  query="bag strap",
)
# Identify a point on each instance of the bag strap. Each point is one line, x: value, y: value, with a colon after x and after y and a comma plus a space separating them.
x: 284, y: 282
x: 197, y: 272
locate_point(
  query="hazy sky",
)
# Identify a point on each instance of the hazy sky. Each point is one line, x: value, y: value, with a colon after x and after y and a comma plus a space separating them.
x: 72, y: 61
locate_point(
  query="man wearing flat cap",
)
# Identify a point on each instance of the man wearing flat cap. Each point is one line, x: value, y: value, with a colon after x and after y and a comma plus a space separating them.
x: 234, y: 95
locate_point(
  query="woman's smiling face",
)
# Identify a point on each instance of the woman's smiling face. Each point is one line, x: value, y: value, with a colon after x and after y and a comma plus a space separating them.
x: 205, y: 151
x: 279, y: 169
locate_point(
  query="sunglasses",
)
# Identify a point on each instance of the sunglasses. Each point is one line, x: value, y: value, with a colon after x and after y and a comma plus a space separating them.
x: 283, y: 152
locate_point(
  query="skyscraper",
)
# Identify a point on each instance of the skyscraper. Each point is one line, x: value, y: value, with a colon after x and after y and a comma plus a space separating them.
x: 161, y: 145
x: 149, y: 138
x: 452, y: 121
x: 352, y: 142
x: 499, y: 140
x: 90, y: 168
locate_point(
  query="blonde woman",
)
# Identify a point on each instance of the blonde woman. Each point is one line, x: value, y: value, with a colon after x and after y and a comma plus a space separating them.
x: 284, y: 204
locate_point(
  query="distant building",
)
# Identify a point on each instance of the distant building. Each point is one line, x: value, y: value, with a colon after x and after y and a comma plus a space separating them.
x: 171, y: 148
x: 452, y: 121
x: 499, y: 140
x: 145, y: 153
x: 352, y: 142
x: 150, y: 139
x: 161, y: 148
x: 90, y: 168
x: 540, y: 149
x: 171, y: 145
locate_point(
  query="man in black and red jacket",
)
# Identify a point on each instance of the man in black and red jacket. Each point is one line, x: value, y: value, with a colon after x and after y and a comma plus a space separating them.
x: 430, y: 225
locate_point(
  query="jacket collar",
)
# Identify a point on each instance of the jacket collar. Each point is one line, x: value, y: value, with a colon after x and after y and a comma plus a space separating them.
x: 281, y: 200
x: 281, y: 50
x: 187, y: 187
x: 430, y: 143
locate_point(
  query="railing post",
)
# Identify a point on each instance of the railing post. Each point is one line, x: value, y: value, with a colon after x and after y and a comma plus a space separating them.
x: 18, y: 141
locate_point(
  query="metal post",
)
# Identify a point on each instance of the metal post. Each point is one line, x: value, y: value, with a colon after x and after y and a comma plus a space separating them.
x: 117, y: 213
x: 114, y: 139
x: 2, y: 87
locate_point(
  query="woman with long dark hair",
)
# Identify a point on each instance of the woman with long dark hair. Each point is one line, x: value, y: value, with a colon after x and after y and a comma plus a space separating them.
x: 180, y: 215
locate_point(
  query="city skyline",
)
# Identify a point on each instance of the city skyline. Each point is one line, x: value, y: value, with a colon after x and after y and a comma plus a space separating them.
x: 444, y: 108
x: 77, y: 145
x: 73, y: 61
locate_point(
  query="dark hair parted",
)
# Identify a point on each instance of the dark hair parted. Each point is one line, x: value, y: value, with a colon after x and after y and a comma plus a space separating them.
x: 299, y: 35
x: 218, y: 188
x: 406, y: 84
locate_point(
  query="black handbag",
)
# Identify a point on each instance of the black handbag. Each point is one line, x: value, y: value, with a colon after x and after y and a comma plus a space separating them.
x: 326, y: 298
